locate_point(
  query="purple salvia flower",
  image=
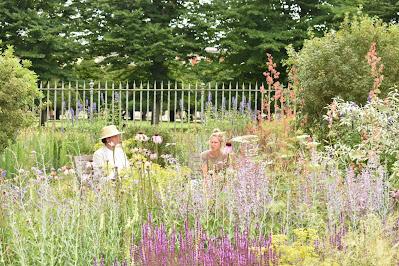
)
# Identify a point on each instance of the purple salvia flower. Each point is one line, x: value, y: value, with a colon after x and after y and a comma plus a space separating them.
x: 80, y: 106
x: 234, y: 100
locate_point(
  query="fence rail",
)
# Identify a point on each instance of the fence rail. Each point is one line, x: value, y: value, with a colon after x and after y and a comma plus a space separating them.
x: 157, y: 102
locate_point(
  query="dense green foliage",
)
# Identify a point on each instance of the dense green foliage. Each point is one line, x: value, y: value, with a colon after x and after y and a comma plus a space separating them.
x: 156, y: 39
x: 18, y: 91
x: 336, y: 64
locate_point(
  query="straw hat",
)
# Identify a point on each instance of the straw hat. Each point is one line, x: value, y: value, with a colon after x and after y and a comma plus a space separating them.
x: 109, y: 131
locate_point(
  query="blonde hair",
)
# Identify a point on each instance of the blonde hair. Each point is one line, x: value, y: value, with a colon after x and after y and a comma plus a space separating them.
x: 218, y: 134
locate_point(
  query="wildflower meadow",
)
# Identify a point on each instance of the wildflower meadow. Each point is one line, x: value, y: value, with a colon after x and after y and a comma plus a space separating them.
x: 295, y: 184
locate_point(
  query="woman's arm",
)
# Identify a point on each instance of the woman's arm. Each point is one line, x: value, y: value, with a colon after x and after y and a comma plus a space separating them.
x: 204, y: 169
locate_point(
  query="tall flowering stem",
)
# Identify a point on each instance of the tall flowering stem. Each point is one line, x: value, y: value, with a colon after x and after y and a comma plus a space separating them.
x: 272, y: 76
x: 196, y: 247
x: 376, y: 70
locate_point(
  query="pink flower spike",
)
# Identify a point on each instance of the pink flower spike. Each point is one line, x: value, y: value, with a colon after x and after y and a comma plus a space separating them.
x: 269, y: 80
x: 262, y: 89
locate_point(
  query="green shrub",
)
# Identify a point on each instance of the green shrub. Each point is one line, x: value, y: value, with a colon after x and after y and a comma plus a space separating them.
x: 18, y: 91
x: 336, y: 64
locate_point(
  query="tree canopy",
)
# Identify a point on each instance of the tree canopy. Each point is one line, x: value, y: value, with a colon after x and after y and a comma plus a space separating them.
x: 155, y: 40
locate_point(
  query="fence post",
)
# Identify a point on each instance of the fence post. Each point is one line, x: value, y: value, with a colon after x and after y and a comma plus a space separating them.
x: 202, y: 102
x: 188, y: 103
x: 195, y: 103
x: 91, y: 86
x: 120, y: 103
x: 175, y: 105
x: 55, y: 104
x: 98, y: 98
x: 127, y: 102
x: 229, y: 96
x: 169, y: 111
x: 161, y: 107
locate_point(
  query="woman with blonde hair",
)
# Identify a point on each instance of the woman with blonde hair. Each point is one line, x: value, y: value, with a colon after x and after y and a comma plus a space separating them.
x: 215, y: 159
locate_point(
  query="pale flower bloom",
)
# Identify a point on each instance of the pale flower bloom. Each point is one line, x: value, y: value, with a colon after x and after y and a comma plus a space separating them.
x: 157, y: 139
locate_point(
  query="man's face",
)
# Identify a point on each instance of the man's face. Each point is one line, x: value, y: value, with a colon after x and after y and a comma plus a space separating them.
x: 115, y: 140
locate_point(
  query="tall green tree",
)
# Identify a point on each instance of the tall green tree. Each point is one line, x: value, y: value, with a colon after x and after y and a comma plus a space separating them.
x: 141, y: 38
x: 41, y: 32
x: 248, y: 29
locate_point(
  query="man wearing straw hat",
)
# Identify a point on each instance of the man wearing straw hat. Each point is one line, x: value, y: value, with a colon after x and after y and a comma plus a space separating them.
x: 110, y: 159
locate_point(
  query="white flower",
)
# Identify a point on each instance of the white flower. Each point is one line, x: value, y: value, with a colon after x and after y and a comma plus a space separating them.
x: 141, y: 137
x: 153, y: 156
x: 157, y: 139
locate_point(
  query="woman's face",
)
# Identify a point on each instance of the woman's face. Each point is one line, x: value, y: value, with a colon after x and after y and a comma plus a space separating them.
x: 215, y: 144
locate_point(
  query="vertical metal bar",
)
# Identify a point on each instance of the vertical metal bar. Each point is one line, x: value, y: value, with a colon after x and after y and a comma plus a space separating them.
x: 229, y: 96
x: 256, y: 97
x: 120, y: 103
x: 237, y: 101
x: 202, y: 104
x: 182, y: 106
x: 141, y: 100
x: 69, y: 98
x: 91, y: 99
x: 249, y: 96
x: 84, y: 96
x: 262, y: 103
x: 134, y: 102
x: 154, y: 106
x: 62, y: 99
x: 169, y: 101
x: 106, y: 98
x: 113, y: 102
x: 243, y: 95
x: 148, y: 100
x: 175, y: 107
x: 55, y: 101
x: 282, y: 103
x: 188, y: 103
x: 195, y: 102
x: 76, y: 98
x: 269, y: 103
x: 98, y: 97
x: 127, y: 102
x: 40, y: 104
x: 161, y: 109
x: 48, y: 101
x: 209, y: 90
x: 223, y: 107
x: 216, y: 97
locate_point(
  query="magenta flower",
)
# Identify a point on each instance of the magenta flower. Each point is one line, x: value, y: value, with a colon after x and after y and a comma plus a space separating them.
x: 228, y: 148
